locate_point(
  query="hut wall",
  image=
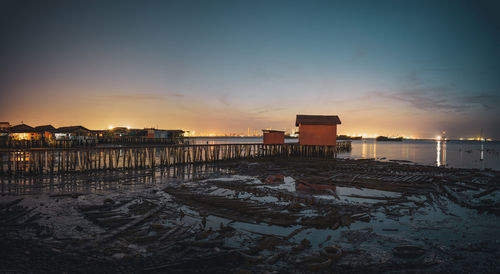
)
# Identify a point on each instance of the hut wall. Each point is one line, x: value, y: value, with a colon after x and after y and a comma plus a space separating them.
x: 324, y: 135
x: 274, y: 138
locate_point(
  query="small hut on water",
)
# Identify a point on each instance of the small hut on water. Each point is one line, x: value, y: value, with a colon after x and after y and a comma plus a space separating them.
x: 23, y: 132
x: 4, y: 125
x: 47, y: 132
x: 79, y: 133
x: 273, y: 137
x: 317, y: 129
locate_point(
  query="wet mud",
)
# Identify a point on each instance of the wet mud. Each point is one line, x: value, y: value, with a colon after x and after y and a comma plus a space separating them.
x: 280, y: 215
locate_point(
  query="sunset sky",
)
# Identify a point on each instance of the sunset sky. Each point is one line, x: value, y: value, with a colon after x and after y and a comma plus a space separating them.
x: 411, y: 68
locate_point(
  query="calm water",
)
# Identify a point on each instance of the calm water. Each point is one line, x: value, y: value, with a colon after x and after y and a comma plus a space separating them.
x: 232, y: 140
x: 463, y: 154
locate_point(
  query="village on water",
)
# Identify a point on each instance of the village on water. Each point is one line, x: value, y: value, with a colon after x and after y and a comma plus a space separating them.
x: 148, y: 200
x: 316, y: 130
x: 318, y: 137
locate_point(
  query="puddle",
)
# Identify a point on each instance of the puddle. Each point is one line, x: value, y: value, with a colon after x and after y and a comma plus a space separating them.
x: 346, y: 191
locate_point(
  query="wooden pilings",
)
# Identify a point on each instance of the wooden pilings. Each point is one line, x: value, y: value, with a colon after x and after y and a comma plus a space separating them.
x: 63, y: 160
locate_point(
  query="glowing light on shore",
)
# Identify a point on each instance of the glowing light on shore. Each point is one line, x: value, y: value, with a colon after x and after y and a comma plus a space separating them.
x: 110, y: 127
x: 366, y: 135
x: 438, y: 138
x: 375, y: 135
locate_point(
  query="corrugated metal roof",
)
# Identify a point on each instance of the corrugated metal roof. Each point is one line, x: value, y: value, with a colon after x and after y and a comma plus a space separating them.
x: 48, y: 128
x: 169, y: 130
x: 317, y: 120
x: 71, y: 129
x: 272, y: 131
x: 22, y: 128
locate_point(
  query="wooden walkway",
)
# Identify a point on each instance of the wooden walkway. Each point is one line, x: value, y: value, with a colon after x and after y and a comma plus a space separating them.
x: 63, y: 160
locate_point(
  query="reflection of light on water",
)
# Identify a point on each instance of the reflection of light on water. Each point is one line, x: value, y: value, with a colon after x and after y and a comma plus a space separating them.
x: 482, y: 150
x: 482, y: 154
x: 440, y: 153
x: 369, y: 150
x: 444, y: 153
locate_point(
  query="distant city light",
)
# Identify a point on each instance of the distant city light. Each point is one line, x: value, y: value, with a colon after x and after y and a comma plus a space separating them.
x: 110, y: 127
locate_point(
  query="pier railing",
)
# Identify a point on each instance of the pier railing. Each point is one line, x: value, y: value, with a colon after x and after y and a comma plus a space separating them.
x: 83, y: 159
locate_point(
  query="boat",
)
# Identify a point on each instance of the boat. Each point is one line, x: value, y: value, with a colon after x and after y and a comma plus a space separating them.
x: 346, y: 137
x: 385, y: 138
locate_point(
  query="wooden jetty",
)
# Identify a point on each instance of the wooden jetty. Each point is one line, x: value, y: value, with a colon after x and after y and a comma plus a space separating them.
x: 74, y: 143
x: 37, y: 161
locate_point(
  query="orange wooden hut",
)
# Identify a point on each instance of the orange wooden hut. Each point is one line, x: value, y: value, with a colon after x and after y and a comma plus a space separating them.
x: 317, y: 129
x: 273, y: 137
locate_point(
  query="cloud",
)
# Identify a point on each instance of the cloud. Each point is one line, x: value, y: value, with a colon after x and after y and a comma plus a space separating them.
x: 138, y: 96
x: 174, y: 95
x: 224, y: 99
x: 441, y: 99
x: 266, y: 109
x: 487, y: 101
x: 449, y: 98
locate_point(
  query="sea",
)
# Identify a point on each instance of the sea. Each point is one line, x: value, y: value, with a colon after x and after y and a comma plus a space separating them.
x: 451, y: 153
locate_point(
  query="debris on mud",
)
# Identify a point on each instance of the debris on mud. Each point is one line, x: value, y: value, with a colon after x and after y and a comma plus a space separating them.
x: 246, y: 216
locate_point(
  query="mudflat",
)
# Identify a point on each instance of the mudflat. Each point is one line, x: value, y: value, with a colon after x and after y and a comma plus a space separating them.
x: 284, y: 215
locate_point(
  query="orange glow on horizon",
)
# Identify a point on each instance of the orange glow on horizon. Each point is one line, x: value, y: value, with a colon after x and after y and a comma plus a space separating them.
x: 202, y: 117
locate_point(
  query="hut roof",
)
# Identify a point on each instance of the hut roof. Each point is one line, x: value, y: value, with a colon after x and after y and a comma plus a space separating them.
x: 22, y: 128
x: 48, y: 128
x: 168, y: 130
x: 119, y: 128
x: 317, y: 120
x: 71, y: 129
x: 272, y: 131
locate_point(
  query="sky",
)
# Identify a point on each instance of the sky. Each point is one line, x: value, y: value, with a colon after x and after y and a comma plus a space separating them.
x: 412, y: 68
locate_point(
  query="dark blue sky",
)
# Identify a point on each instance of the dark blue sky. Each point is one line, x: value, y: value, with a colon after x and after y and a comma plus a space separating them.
x: 413, y: 68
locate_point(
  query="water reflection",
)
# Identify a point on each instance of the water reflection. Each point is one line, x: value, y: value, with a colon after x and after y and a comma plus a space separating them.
x: 104, y: 180
x: 444, y: 153
x: 441, y: 153
x: 458, y: 154
x: 369, y: 150
x: 482, y: 150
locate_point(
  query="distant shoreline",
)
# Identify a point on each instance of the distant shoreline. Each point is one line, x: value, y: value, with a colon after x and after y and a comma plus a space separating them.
x: 416, y: 139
